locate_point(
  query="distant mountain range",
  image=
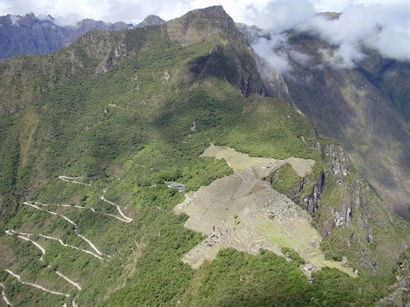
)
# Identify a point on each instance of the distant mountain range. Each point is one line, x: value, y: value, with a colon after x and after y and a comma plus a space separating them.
x: 30, y: 34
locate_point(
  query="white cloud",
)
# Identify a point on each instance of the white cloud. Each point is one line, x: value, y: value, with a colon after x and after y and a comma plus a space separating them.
x: 384, y: 26
x: 299, y: 57
x: 14, y: 19
x: 274, y: 51
x: 278, y: 15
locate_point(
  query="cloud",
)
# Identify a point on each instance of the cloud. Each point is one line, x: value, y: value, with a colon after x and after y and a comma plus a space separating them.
x: 14, y: 19
x: 274, y: 51
x: 278, y: 15
x: 278, y: 53
x: 383, y: 26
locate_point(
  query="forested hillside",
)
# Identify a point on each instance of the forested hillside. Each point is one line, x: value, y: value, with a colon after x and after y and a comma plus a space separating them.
x: 94, y: 137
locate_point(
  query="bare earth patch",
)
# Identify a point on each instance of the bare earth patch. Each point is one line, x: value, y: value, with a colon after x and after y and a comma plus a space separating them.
x: 243, y: 212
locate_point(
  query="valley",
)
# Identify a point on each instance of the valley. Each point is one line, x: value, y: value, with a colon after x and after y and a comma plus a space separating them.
x: 149, y: 166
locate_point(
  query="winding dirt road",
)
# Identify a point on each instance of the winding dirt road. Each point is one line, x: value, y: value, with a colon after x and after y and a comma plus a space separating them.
x: 26, y: 238
x: 58, y: 240
x: 68, y: 280
x: 92, y: 209
x: 3, y: 295
x: 73, y: 180
x: 36, y: 285
x: 68, y: 220
x: 125, y: 218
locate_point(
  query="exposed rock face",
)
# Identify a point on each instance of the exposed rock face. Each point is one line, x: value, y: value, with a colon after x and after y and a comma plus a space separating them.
x: 343, y: 217
x: 308, y: 269
x: 29, y: 34
x: 274, y: 83
x: 337, y: 162
x: 312, y: 201
x: 400, y: 295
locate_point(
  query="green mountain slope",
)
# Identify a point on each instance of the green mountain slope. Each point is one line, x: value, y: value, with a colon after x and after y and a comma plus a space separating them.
x: 90, y: 134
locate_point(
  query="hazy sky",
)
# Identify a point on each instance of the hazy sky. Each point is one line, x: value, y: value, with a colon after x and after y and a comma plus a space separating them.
x: 383, y: 25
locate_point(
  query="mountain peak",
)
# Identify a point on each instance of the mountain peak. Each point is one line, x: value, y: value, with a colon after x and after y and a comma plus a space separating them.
x: 198, y: 24
x: 216, y: 14
x: 151, y: 20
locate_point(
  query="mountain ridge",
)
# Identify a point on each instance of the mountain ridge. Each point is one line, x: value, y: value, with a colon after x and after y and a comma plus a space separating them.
x: 28, y: 34
x: 111, y: 118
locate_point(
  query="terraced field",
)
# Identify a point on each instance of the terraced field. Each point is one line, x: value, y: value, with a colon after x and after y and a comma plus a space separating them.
x: 243, y: 212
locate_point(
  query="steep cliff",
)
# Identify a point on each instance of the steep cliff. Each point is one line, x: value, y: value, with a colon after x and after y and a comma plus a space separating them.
x: 359, y: 106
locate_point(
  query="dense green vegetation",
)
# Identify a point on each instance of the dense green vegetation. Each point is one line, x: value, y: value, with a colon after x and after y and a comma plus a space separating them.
x: 238, y: 279
x: 285, y: 179
x: 124, y: 131
x: 292, y: 254
x: 270, y: 128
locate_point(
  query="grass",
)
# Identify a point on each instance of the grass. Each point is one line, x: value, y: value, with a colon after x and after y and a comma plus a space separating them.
x: 285, y: 179
x: 292, y: 254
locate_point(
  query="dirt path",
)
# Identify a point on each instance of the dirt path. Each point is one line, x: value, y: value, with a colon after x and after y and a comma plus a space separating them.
x: 3, y: 295
x: 71, y: 246
x: 68, y: 280
x: 68, y: 220
x: 56, y: 239
x: 36, y: 285
x: 25, y: 236
x: 119, y: 107
x: 92, y: 209
x: 51, y: 212
x: 90, y: 243
x: 43, y: 251
x: 73, y: 180
x: 126, y: 218
x: 78, y: 207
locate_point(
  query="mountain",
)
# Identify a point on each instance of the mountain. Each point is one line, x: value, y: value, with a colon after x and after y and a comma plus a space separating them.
x: 151, y: 20
x: 364, y: 107
x: 30, y: 34
x: 155, y: 166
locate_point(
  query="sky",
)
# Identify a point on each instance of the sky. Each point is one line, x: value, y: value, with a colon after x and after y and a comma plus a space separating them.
x: 70, y: 11
x: 382, y: 25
